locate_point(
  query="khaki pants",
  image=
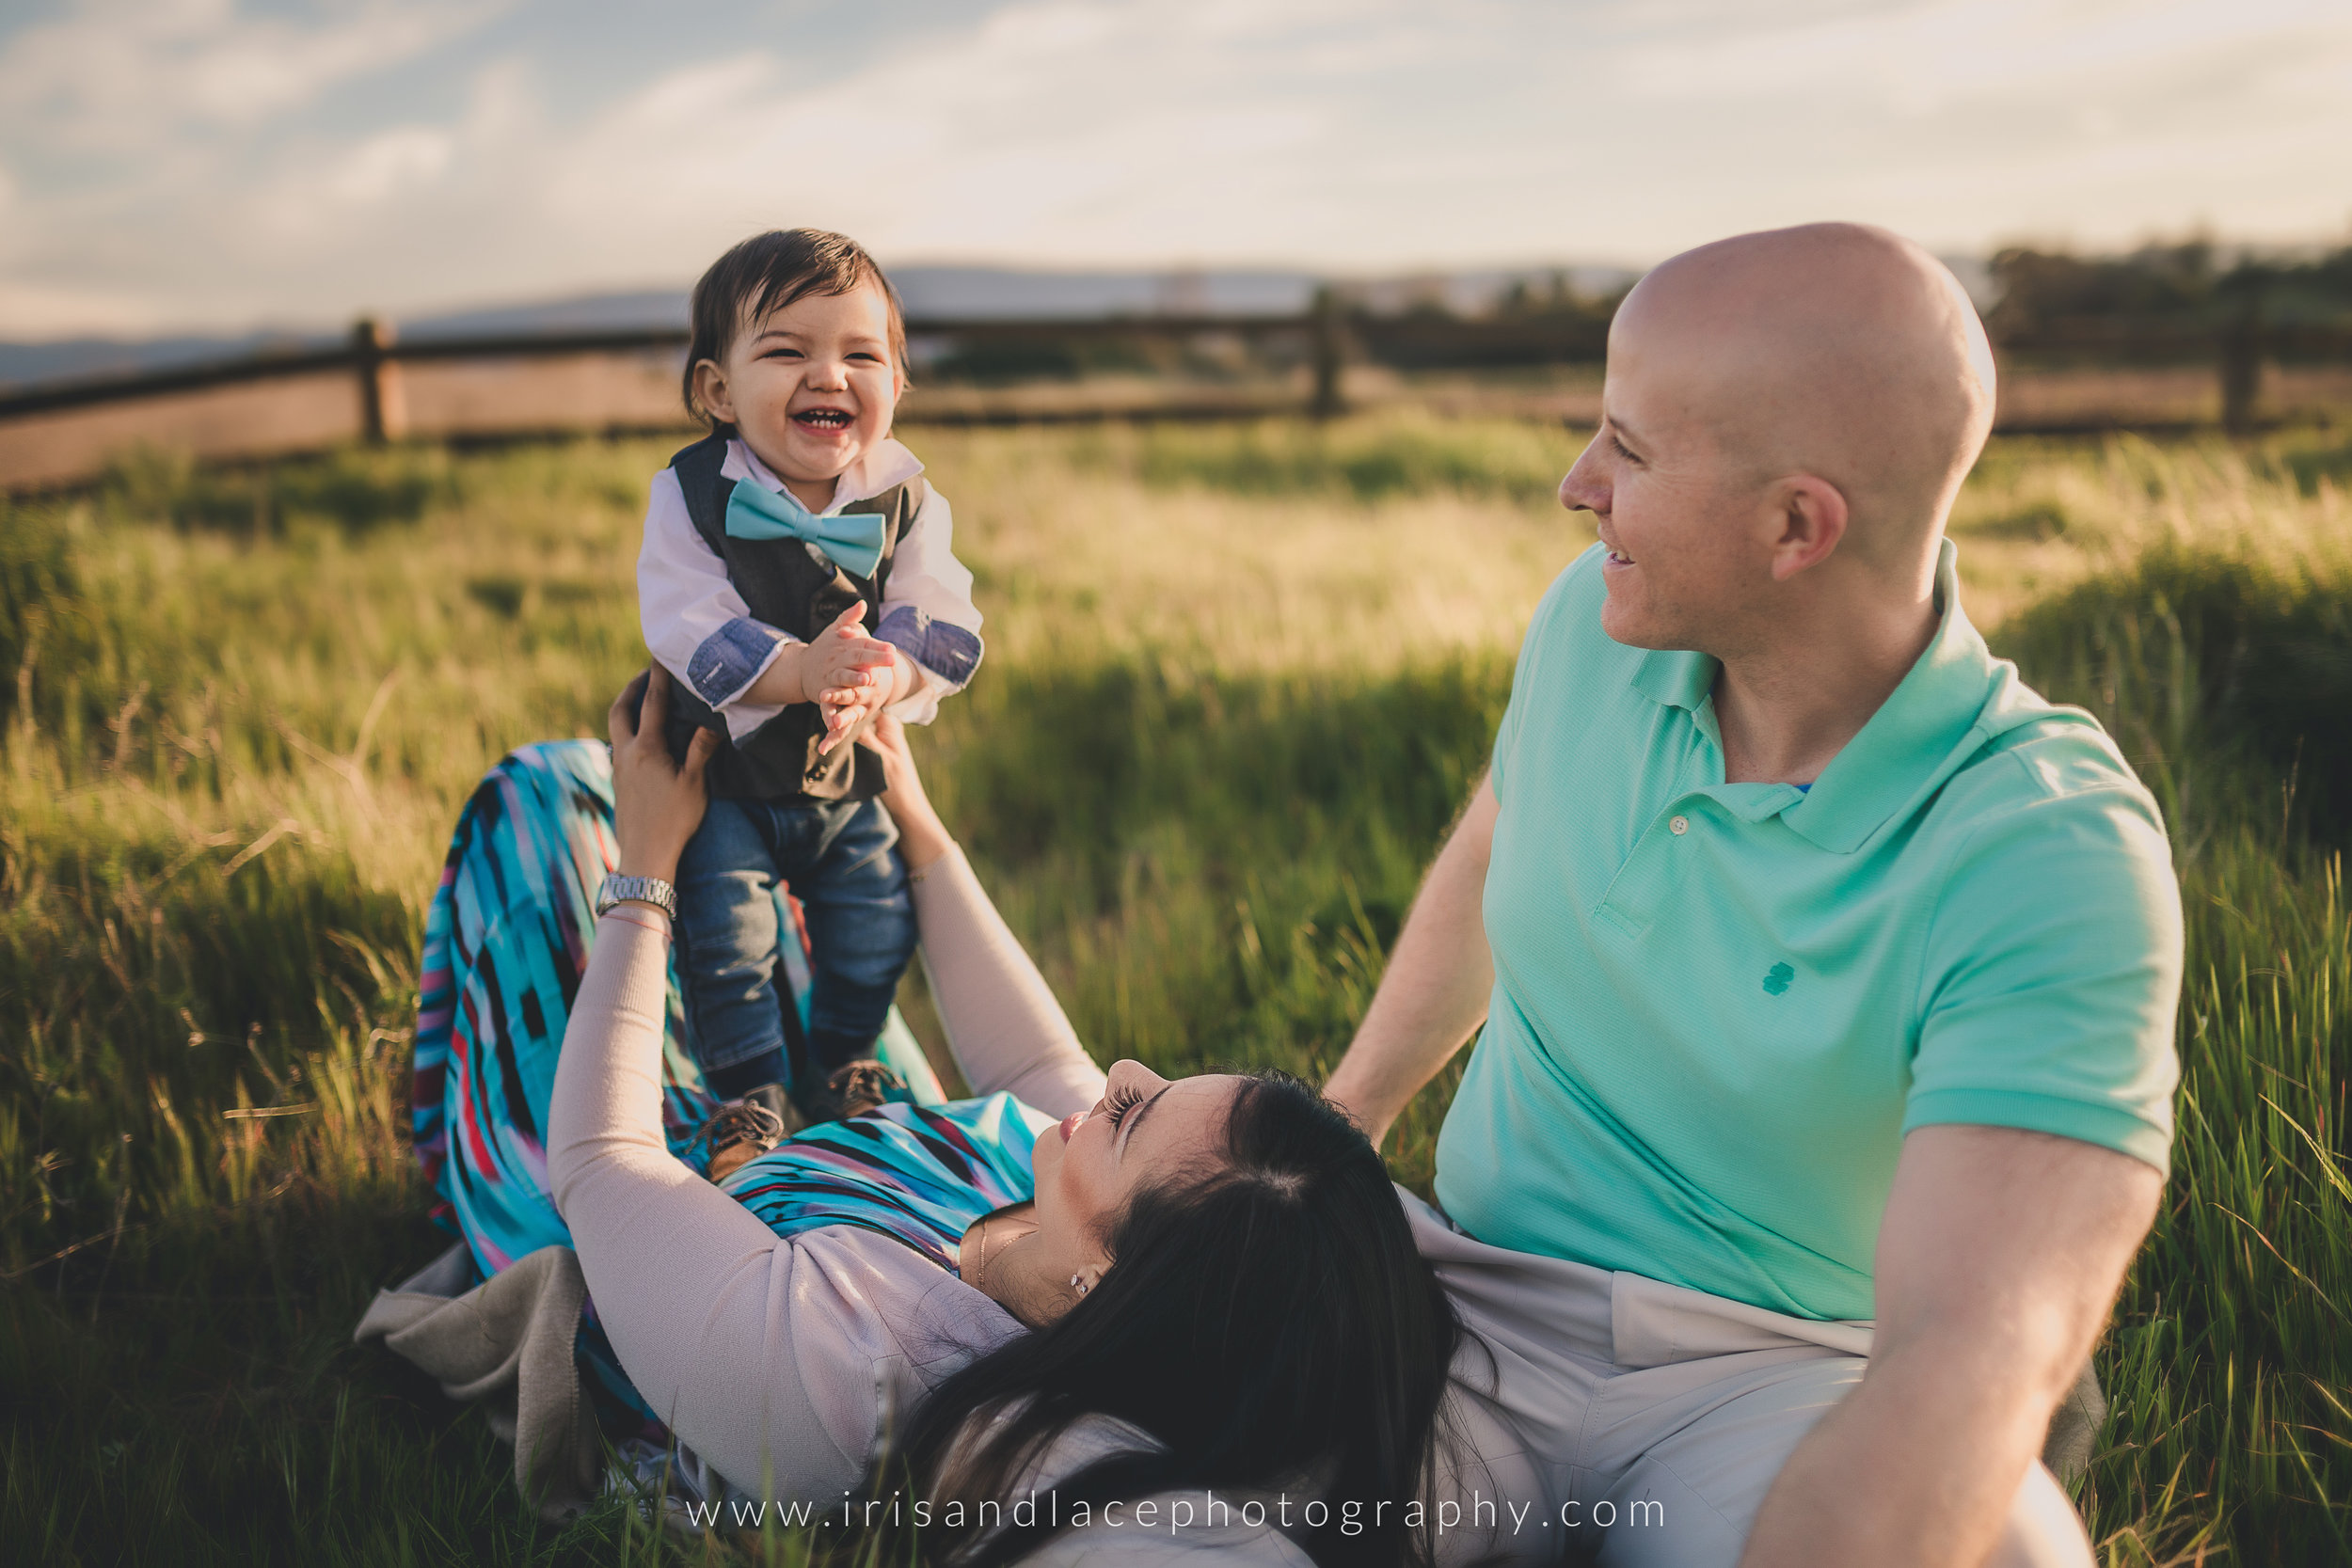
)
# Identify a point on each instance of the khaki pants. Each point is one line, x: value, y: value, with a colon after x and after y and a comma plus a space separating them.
x: 1630, y: 1422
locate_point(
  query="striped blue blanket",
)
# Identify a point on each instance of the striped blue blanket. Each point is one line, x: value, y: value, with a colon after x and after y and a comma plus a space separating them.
x: 506, y: 941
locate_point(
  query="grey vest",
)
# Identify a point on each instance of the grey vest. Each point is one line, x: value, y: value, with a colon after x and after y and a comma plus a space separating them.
x: 795, y: 587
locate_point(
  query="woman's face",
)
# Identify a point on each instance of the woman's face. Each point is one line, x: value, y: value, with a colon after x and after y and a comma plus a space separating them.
x: 1145, y: 1128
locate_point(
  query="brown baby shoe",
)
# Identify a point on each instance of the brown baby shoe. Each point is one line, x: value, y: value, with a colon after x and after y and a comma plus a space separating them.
x: 742, y: 1130
x: 853, y: 1087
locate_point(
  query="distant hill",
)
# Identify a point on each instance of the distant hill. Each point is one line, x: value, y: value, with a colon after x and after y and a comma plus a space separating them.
x: 67, y: 358
x: 929, y: 290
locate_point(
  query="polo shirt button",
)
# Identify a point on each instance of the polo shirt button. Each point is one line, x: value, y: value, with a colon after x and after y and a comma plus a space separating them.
x: 1679, y: 826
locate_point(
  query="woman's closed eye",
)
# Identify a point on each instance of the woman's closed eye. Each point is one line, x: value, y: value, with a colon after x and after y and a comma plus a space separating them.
x: 1117, y: 1104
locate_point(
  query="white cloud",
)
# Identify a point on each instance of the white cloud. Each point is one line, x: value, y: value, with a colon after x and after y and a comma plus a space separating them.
x: 1379, y: 133
x: 117, y: 75
x: 1053, y: 131
x: 1355, y: 135
x: 34, y: 311
x: 1926, y: 54
x: 388, y: 163
x: 379, y: 206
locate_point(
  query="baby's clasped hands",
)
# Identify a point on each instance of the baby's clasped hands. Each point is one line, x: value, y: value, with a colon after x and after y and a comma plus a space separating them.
x: 849, y: 675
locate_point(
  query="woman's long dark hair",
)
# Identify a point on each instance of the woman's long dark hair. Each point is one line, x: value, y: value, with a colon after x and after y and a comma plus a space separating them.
x: 1268, y: 1318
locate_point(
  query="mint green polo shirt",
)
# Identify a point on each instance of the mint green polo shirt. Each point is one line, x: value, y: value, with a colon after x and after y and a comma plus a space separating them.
x: 1718, y: 1007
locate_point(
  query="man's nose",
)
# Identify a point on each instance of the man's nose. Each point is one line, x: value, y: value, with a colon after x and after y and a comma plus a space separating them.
x: 1584, y: 488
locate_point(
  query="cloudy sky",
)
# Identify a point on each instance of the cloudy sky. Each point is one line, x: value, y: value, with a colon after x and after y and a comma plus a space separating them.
x: 168, y: 164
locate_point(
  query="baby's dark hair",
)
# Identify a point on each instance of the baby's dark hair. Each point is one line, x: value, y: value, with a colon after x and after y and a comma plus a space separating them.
x: 768, y: 272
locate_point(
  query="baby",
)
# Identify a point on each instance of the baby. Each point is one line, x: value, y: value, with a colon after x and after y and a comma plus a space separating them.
x: 796, y: 580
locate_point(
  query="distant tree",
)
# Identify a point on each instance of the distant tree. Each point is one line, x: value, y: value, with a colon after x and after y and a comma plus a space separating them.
x: 2164, y: 280
x: 2154, y: 280
x: 2319, y: 289
x: 1556, y: 298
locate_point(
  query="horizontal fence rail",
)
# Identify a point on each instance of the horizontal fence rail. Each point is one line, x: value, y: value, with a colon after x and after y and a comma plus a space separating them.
x: 373, y: 346
x: 1331, y: 333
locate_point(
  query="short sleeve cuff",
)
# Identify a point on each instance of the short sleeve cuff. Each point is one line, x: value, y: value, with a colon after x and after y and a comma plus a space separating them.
x: 2085, y: 1121
x: 730, y: 658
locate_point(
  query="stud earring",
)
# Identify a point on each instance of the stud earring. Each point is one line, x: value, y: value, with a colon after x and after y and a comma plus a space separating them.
x: 1074, y: 1281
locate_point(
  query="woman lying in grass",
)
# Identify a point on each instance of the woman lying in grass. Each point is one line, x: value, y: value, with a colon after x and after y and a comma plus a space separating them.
x: 1114, y: 1289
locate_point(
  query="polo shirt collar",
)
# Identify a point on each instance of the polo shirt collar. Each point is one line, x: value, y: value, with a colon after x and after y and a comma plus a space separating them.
x: 1918, y: 738
x: 1677, y: 677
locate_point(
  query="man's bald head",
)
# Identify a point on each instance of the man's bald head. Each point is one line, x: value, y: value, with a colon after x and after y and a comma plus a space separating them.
x: 1833, y: 349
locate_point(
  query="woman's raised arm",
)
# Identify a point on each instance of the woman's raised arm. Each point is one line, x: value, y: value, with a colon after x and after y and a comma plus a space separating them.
x: 1002, y: 1024
x: 774, y: 1360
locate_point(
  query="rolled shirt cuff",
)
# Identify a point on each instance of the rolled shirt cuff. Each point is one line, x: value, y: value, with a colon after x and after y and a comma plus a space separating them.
x: 731, y: 658
x: 942, y: 647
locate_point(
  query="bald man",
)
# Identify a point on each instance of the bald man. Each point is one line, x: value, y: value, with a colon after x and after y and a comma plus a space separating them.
x: 1827, y: 974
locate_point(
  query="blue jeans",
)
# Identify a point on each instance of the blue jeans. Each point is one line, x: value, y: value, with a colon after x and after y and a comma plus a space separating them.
x: 841, y: 859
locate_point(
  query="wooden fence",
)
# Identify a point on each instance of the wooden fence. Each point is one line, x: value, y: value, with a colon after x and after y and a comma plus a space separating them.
x: 374, y: 354
x: 1325, y: 338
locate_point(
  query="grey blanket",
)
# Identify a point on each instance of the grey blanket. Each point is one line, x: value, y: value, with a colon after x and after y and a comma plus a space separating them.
x: 507, y: 1343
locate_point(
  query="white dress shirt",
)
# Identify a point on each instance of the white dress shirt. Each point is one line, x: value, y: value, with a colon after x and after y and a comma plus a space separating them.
x: 702, y: 632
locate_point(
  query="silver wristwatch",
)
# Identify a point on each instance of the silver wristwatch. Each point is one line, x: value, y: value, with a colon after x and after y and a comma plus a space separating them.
x: 651, y: 889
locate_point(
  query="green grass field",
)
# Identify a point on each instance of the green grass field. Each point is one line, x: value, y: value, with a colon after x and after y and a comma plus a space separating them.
x: 1239, y: 679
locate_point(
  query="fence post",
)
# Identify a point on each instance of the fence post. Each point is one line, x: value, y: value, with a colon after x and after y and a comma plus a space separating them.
x: 383, y: 401
x: 2241, y: 368
x: 1328, y: 330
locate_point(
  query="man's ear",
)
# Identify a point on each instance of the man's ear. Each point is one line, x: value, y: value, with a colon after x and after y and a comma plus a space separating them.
x: 1812, y: 516
x: 710, y: 390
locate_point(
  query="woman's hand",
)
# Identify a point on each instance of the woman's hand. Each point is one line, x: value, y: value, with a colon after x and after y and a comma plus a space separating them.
x: 657, y: 804
x: 923, y: 838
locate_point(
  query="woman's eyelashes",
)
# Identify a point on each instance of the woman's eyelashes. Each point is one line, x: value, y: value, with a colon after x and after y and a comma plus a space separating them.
x: 1116, y: 1106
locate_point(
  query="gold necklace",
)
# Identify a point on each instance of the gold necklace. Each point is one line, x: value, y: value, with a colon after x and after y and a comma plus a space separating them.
x: 980, y: 1264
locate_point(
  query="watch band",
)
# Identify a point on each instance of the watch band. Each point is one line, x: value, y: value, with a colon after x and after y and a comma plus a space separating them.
x: 650, y: 890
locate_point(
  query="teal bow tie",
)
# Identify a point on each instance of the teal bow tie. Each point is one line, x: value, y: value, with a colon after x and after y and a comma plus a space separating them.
x: 854, y: 540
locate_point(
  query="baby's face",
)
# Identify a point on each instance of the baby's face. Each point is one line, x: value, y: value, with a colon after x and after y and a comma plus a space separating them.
x: 811, y: 387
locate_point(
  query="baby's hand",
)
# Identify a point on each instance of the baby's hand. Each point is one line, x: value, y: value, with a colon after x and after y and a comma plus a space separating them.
x: 846, y: 709
x: 843, y: 658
